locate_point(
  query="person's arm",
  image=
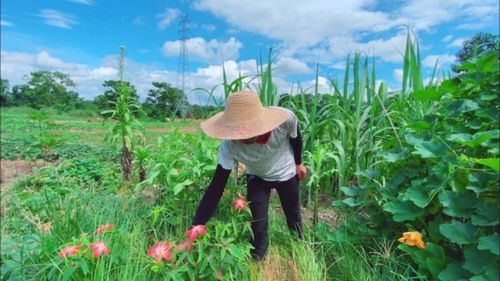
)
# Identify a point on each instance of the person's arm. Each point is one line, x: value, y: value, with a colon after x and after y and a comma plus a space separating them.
x: 296, y: 144
x: 212, y: 196
x: 208, y: 203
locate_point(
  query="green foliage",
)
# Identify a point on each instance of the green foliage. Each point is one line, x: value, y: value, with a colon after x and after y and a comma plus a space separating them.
x: 443, y: 181
x: 45, y: 88
x: 113, y: 92
x: 474, y: 46
x: 165, y: 101
x: 5, y: 95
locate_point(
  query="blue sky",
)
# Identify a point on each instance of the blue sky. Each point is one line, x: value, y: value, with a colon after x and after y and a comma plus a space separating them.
x: 82, y: 38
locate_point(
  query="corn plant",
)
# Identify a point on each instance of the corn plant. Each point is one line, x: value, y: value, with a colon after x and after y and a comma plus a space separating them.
x: 127, y: 129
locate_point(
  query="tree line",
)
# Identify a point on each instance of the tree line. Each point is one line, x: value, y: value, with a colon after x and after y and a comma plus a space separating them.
x: 53, y: 89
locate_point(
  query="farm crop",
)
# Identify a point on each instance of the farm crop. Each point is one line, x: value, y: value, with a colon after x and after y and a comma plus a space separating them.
x: 410, y: 178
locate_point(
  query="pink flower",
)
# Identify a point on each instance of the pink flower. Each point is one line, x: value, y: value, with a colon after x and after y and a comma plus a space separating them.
x: 196, y: 231
x: 103, y: 228
x: 239, y: 203
x: 99, y: 248
x: 71, y: 250
x: 160, y: 251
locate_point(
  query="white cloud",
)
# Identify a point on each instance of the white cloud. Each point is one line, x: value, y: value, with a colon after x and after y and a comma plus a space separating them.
x: 442, y: 60
x: 207, y: 51
x: 456, y: 43
x: 208, y: 27
x: 398, y: 75
x: 59, y: 19
x: 328, y: 30
x: 6, y: 23
x: 447, y: 38
x: 471, y: 26
x: 300, y: 23
x: 288, y: 65
x: 86, y: 2
x: 167, y: 17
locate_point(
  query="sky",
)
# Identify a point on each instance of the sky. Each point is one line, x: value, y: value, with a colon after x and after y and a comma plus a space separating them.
x: 83, y: 37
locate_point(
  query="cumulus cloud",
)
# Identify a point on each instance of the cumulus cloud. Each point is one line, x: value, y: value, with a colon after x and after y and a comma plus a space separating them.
x: 199, y: 49
x: 208, y: 27
x: 447, y: 38
x: 456, y: 43
x: 442, y: 60
x: 89, y: 80
x: 58, y: 19
x: 288, y: 65
x: 312, y: 31
x: 398, y: 75
x: 167, y: 17
x: 6, y: 23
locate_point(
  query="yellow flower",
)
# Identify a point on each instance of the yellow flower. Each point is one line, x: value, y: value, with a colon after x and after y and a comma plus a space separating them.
x: 412, y: 238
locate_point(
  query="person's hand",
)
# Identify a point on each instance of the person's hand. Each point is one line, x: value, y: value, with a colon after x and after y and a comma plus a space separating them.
x: 187, y: 244
x: 301, y: 171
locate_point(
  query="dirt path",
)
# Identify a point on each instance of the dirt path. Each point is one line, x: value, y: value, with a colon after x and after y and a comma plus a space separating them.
x: 10, y: 172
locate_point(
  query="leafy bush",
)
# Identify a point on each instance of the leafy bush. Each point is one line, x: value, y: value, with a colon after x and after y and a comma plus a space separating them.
x: 444, y: 179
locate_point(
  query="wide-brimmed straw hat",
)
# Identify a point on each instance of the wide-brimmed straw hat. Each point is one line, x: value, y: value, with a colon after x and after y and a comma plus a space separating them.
x: 244, y: 117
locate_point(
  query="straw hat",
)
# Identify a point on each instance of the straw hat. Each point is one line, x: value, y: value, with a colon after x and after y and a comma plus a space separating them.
x: 244, y: 117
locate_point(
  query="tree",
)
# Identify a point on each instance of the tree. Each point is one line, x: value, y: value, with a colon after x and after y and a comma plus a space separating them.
x: 165, y: 101
x: 112, y: 93
x: 45, y: 88
x: 5, y: 95
x: 475, y: 46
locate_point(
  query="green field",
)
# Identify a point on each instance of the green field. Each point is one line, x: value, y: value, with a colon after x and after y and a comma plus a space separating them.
x: 419, y: 165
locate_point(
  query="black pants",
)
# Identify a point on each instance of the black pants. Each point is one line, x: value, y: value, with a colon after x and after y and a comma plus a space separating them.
x: 258, y: 191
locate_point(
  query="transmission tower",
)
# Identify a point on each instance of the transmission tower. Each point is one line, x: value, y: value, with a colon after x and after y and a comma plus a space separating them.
x: 182, y: 68
x: 183, y: 52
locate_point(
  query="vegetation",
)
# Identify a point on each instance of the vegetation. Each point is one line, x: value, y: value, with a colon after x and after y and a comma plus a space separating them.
x: 412, y: 176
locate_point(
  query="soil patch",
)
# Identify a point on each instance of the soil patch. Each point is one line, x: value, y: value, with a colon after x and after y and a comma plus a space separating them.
x: 10, y: 172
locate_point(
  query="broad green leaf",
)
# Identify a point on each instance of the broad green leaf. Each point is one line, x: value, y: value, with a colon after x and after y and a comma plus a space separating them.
x: 425, y: 148
x: 421, y: 193
x: 482, y: 181
x: 493, y: 163
x: 462, y: 106
x: 459, y: 232
x: 489, y: 112
x: 486, y: 214
x: 476, y: 260
x: 350, y: 202
x: 454, y: 272
x: 458, y: 205
x: 369, y: 174
x: 428, y: 149
x: 450, y: 85
x: 426, y: 95
x: 486, y: 63
x: 474, y: 140
x: 420, y: 125
x: 351, y: 190
x: 490, y: 243
x: 403, y: 210
x: 490, y: 274
x: 436, y: 260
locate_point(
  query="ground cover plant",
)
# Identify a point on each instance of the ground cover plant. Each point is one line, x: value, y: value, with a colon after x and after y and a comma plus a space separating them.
x: 403, y: 186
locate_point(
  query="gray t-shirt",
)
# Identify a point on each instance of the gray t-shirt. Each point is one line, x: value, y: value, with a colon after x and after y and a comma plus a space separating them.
x: 272, y: 161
